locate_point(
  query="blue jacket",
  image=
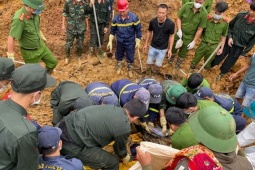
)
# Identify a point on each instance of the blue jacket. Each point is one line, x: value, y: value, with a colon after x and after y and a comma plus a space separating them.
x: 98, y: 90
x: 229, y: 103
x: 128, y: 29
x: 59, y: 162
x: 146, y: 82
x: 125, y: 90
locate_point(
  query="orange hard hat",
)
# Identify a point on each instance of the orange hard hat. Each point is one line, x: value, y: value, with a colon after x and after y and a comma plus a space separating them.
x: 122, y: 5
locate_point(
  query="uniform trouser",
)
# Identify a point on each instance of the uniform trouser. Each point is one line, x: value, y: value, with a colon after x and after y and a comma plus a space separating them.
x: 94, y: 157
x: 93, y: 34
x: 204, y: 50
x: 127, y: 48
x: 42, y: 53
x: 69, y: 42
x: 233, y: 54
x: 184, y: 49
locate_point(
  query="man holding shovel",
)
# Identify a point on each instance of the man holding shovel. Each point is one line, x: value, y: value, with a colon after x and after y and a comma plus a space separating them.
x: 216, y: 31
x: 162, y: 29
x: 102, y: 15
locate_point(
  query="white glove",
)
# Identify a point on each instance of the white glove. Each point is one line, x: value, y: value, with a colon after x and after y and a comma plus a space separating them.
x: 178, y: 44
x: 163, y: 124
x: 179, y: 33
x: 127, y: 159
x: 191, y: 45
x: 11, y: 56
x: 145, y: 126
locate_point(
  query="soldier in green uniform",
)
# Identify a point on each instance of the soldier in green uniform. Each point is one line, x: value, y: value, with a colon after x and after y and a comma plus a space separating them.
x: 103, y: 11
x: 190, y: 23
x: 171, y: 91
x: 207, y: 4
x: 216, y: 30
x: 75, y: 12
x: 86, y: 131
x: 25, y: 28
x: 18, y: 135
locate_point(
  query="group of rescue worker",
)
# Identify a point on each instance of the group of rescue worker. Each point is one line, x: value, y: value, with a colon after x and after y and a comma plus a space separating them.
x: 204, y: 126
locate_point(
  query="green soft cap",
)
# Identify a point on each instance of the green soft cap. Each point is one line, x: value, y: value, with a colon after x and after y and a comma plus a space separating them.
x: 35, y: 4
x: 174, y: 92
x: 215, y: 128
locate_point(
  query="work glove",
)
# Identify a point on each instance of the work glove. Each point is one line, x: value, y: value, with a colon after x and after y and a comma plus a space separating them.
x: 191, y: 45
x: 179, y: 33
x: 127, y: 159
x: 178, y: 44
x: 137, y: 43
x: 145, y: 126
x: 163, y: 124
x: 151, y: 124
x: 10, y: 55
x: 43, y: 37
x: 109, y: 45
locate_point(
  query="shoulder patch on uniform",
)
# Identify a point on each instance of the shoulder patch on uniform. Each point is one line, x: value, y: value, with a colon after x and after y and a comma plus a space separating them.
x: 225, y: 19
x: 21, y: 17
x: 209, y: 17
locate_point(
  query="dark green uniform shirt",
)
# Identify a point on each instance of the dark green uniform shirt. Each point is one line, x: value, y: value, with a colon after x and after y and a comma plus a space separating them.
x: 103, y: 11
x: 207, y: 5
x: 183, y: 137
x: 97, y: 126
x: 18, y: 138
x: 190, y: 21
x: 63, y: 97
x: 26, y: 29
x: 76, y: 13
x: 205, y: 103
x: 242, y: 31
x: 214, y: 31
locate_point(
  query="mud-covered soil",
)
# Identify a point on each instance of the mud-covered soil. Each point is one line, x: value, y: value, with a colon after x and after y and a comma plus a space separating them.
x: 88, y: 71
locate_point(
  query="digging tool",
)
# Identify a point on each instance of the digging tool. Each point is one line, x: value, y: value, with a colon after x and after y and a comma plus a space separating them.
x: 216, y: 49
x: 98, y: 37
x: 183, y: 72
x: 138, y: 51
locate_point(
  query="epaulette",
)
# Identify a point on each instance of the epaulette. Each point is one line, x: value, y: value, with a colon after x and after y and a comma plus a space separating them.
x: 225, y: 19
x: 209, y: 17
x: 21, y: 17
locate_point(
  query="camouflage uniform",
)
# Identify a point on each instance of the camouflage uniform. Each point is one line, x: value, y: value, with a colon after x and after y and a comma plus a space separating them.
x: 103, y: 11
x: 76, y: 14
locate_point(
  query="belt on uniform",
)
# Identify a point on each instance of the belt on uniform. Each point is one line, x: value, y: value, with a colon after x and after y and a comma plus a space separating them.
x: 208, y: 43
x: 30, y: 49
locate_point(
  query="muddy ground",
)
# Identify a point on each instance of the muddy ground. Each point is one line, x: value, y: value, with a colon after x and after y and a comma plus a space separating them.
x: 87, y: 72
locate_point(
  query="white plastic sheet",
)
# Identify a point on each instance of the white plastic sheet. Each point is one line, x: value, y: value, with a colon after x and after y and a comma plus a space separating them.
x: 160, y: 154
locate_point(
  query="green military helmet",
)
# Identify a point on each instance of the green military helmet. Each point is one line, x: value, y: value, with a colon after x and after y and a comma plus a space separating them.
x: 215, y: 128
x: 35, y: 4
x: 174, y: 92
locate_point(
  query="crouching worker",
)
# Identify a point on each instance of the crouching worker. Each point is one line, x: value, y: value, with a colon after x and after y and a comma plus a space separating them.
x: 87, y: 131
x: 214, y: 128
x: 66, y: 97
x: 101, y: 94
x: 49, y: 145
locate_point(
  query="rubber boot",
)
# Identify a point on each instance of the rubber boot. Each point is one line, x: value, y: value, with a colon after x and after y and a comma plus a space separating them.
x: 100, y: 52
x: 79, y: 50
x: 170, y: 60
x: 178, y: 63
x: 119, y: 66
x: 130, y: 73
x: 91, y: 50
x: 67, y: 57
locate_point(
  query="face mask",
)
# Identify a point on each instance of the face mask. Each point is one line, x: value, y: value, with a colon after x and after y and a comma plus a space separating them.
x: 217, y: 17
x: 2, y: 88
x: 37, y: 12
x: 197, y: 5
x: 38, y: 101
